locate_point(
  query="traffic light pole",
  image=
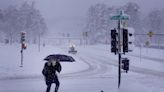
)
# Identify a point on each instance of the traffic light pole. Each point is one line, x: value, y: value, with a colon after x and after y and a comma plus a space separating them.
x: 119, y: 70
x: 21, y: 57
x: 22, y: 46
x: 119, y: 17
x: 119, y: 52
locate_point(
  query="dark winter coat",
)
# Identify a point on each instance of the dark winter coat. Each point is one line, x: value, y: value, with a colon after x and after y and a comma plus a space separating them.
x: 49, y: 72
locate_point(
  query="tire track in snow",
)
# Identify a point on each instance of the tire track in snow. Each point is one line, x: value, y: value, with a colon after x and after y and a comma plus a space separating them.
x: 141, y: 70
x: 95, y: 68
x: 132, y: 68
x: 145, y: 57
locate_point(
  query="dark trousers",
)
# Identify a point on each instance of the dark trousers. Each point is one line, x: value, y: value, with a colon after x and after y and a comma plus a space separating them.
x: 49, y: 83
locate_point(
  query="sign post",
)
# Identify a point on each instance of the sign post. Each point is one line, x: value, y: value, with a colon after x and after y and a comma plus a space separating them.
x: 121, y: 16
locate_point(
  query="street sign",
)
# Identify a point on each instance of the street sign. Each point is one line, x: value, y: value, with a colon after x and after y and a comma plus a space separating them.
x: 120, y: 16
x: 150, y: 34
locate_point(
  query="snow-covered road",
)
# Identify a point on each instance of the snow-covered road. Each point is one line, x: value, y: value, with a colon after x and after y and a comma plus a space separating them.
x: 98, y: 72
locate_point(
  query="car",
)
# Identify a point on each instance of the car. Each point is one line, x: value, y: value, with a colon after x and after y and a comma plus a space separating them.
x: 72, y: 49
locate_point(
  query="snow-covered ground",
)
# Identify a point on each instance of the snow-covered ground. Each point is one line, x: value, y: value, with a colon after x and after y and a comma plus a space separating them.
x: 95, y: 69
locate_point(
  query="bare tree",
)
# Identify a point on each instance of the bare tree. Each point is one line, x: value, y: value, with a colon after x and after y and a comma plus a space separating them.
x: 98, y: 23
x: 24, y: 18
x: 133, y: 10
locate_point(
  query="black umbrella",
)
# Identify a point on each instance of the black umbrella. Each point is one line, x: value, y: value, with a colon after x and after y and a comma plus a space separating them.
x: 60, y: 58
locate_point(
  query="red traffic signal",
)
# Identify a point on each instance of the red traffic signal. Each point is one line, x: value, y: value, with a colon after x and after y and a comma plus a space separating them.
x: 24, y: 46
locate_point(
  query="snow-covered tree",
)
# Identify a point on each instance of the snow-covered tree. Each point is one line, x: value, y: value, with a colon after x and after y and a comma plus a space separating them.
x: 98, y: 23
x: 162, y: 23
x: 1, y: 26
x: 154, y: 22
x: 133, y: 10
x: 32, y: 21
x: 24, y: 18
x: 10, y: 24
x: 1, y: 15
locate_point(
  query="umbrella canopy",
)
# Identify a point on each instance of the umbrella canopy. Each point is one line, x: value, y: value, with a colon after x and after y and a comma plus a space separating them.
x: 60, y: 58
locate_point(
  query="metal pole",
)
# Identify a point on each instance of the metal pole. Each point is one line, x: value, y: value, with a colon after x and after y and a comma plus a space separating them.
x: 39, y: 43
x: 119, y: 51
x: 21, y: 58
x: 158, y: 41
x: 119, y: 70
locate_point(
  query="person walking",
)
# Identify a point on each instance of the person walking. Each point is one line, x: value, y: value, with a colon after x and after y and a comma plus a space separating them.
x: 49, y: 72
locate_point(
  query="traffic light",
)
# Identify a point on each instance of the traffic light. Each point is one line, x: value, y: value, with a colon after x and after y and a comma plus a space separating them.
x: 131, y: 39
x: 23, y: 34
x: 114, y: 41
x: 125, y: 40
x: 23, y: 39
x: 128, y: 40
x: 125, y: 64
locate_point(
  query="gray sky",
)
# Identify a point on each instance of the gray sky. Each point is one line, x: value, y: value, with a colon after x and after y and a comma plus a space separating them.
x: 79, y: 7
x: 54, y: 9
